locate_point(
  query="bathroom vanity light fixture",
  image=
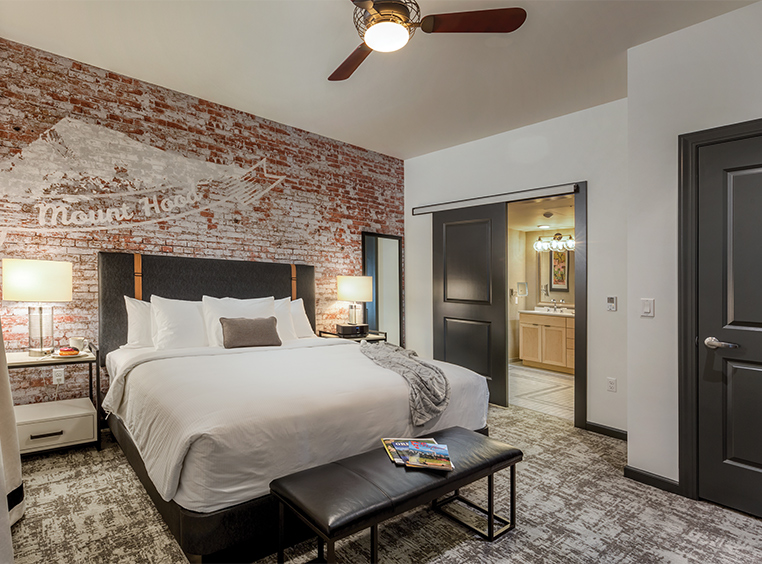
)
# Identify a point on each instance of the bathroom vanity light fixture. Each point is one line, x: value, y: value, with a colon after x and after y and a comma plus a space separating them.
x: 556, y: 243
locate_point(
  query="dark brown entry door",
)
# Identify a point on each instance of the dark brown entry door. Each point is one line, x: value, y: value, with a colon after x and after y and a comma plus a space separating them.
x: 469, y: 292
x: 730, y: 324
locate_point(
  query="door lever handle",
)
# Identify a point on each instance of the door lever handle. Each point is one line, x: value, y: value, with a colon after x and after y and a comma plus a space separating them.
x: 713, y: 343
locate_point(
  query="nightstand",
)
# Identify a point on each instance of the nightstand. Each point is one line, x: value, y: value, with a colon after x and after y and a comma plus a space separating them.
x: 371, y: 337
x: 55, y: 424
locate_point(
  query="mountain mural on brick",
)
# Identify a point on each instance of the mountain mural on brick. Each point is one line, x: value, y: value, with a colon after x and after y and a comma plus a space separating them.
x: 82, y: 177
x: 91, y: 160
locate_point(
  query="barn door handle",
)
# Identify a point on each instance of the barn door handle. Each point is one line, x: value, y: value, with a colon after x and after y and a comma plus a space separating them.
x: 713, y: 343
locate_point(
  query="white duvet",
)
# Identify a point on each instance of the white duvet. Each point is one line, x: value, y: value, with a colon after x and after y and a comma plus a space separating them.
x: 214, y: 426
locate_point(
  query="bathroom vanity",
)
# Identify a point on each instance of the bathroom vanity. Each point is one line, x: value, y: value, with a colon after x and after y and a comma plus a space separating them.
x: 546, y: 338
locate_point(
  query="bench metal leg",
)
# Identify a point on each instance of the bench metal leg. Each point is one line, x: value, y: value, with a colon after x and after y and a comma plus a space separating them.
x: 512, y: 513
x: 491, y: 507
x: 321, y: 551
x: 490, y: 534
x: 281, y: 532
x: 331, y: 556
x: 374, y: 544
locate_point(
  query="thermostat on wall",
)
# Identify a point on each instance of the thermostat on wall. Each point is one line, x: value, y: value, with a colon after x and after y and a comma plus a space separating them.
x: 611, y: 303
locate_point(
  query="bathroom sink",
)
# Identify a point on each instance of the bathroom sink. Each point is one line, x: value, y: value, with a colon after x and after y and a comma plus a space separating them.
x: 558, y: 311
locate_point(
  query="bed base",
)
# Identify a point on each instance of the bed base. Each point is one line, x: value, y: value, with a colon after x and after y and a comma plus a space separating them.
x: 241, y: 533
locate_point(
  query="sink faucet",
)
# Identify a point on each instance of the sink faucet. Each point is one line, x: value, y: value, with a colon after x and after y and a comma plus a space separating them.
x: 555, y: 305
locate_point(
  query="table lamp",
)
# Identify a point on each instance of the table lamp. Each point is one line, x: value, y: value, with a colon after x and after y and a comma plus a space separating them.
x: 355, y: 289
x: 38, y: 281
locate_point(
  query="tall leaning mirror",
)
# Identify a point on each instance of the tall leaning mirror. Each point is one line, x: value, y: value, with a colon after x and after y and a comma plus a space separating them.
x: 382, y: 259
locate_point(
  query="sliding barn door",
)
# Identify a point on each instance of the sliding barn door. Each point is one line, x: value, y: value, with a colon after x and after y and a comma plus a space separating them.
x: 469, y: 293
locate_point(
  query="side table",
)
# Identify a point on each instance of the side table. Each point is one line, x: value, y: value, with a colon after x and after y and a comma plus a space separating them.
x: 55, y: 424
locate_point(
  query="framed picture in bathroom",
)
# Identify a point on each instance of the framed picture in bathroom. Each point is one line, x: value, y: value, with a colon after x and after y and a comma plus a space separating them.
x: 559, y: 271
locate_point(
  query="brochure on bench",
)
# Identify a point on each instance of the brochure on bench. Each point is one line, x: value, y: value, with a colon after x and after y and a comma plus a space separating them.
x: 419, y: 454
x: 392, y: 452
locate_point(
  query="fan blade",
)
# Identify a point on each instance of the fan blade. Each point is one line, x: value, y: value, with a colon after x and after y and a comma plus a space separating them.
x: 351, y: 63
x: 502, y: 20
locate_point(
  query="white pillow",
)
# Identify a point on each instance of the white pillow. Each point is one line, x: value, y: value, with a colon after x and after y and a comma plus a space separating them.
x: 179, y: 324
x: 301, y: 322
x: 139, y: 332
x: 285, y: 326
x: 214, y: 308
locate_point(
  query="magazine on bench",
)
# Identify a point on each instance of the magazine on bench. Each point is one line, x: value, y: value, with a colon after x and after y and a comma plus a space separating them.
x: 419, y: 454
x: 392, y: 452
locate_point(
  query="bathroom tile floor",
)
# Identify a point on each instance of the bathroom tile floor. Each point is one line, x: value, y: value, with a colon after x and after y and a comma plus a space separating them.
x: 541, y: 390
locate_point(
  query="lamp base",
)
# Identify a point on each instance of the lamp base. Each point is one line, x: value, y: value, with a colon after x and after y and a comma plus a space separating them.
x: 41, y: 341
x: 355, y: 313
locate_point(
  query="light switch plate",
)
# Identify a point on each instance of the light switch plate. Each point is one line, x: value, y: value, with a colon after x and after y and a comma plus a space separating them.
x: 646, y: 307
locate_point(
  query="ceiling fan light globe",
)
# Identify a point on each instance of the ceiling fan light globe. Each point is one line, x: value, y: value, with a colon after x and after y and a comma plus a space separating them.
x: 386, y: 37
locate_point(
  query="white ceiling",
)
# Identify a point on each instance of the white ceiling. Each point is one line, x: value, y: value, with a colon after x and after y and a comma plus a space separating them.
x: 272, y: 58
x: 527, y: 215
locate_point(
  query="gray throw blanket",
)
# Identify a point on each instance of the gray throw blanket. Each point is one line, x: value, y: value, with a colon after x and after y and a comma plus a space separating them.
x: 429, y: 388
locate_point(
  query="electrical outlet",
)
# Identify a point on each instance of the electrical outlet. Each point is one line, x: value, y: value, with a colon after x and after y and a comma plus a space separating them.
x: 58, y: 375
x: 611, y: 384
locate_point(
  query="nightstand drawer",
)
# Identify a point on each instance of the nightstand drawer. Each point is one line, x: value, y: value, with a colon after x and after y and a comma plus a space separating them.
x: 49, y: 425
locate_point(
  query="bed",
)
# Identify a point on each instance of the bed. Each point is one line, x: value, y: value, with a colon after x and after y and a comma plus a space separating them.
x: 207, y: 428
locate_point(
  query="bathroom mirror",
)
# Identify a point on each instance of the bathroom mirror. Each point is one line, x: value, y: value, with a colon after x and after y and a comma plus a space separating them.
x: 382, y: 259
x: 555, y: 278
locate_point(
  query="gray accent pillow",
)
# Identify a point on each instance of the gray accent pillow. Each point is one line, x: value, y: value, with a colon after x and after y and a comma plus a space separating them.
x: 245, y: 332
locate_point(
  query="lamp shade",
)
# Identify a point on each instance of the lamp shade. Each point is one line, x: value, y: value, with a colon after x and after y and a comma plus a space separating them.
x: 354, y: 288
x: 36, y: 280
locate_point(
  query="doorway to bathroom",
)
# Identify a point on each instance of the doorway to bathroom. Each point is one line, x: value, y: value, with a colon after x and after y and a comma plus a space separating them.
x: 540, y: 278
x: 472, y: 295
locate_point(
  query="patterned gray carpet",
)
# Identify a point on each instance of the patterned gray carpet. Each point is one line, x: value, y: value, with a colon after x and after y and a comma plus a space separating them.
x: 574, y: 506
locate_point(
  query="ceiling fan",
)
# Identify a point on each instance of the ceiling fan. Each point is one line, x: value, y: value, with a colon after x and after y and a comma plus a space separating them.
x: 387, y: 25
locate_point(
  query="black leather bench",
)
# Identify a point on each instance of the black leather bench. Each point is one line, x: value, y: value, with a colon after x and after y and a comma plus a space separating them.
x: 359, y: 492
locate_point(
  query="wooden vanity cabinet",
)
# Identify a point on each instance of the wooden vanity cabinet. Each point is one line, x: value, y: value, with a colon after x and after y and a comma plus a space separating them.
x: 544, y: 341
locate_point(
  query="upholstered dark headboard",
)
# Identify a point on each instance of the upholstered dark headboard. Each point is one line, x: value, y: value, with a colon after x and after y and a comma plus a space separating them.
x: 185, y: 278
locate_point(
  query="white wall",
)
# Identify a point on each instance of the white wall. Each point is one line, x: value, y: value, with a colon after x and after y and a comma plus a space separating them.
x: 588, y: 145
x: 701, y: 77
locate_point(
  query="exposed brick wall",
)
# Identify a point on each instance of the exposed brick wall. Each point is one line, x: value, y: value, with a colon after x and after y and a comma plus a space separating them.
x: 332, y: 192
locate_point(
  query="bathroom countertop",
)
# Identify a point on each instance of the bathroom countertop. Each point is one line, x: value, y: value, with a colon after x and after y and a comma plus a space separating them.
x: 553, y: 313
